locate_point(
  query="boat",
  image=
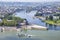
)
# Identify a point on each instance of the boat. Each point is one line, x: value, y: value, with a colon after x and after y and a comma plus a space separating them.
x: 24, y: 35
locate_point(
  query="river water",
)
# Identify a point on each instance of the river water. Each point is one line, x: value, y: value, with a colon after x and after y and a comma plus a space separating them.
x: 30, y: 17
x: 33, y: 20
x: 37, y: 35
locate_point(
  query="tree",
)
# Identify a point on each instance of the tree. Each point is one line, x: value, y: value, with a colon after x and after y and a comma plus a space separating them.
x: 46, y: 17
x: 18, y: 19
x: 51, y: 17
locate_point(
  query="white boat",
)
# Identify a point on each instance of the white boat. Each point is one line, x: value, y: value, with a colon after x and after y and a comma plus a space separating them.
x: 24, y: 35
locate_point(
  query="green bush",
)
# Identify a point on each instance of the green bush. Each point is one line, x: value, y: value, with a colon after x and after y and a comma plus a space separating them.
x: 12, y: 22
x: 8, y: 23
x: 1, y: 24
x: 18, y: 19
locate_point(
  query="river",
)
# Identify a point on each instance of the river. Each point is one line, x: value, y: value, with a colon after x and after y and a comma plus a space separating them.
x: 33, y: 20
x: 30, y: 17
x: 37, y: 34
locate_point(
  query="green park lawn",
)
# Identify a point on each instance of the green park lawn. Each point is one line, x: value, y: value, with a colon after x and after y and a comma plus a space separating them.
x: 57, y: 22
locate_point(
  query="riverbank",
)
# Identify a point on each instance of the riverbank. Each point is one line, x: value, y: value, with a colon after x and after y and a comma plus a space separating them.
x: 29, y: 27
x: 8, y: 28
x: 53, y: 22
x: 37, y: 27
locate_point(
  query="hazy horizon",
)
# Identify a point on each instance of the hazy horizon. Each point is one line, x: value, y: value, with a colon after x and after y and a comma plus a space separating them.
x: 29, y: 0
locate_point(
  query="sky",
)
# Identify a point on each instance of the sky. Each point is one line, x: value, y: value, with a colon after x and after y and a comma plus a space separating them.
x: 29, y: 0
